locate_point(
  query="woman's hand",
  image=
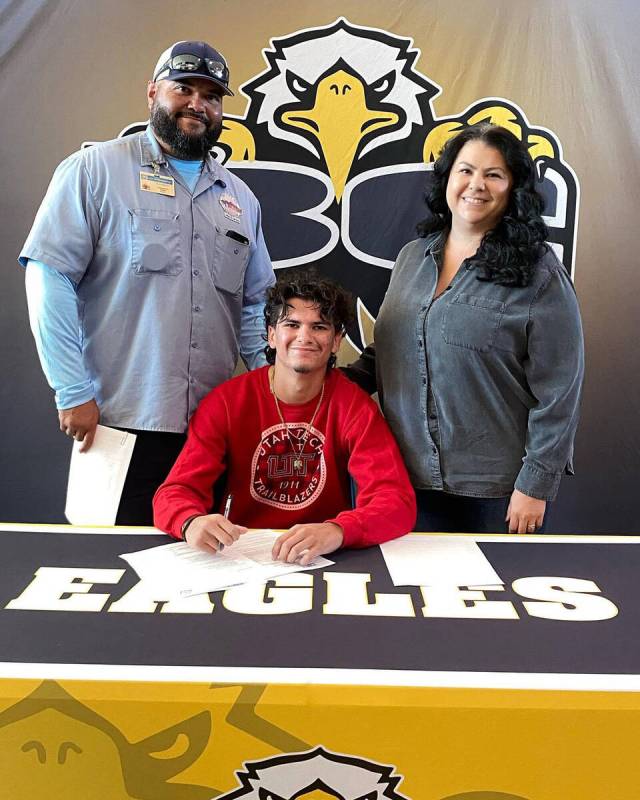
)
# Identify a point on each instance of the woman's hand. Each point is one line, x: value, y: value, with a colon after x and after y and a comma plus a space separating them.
x: 525, y: 514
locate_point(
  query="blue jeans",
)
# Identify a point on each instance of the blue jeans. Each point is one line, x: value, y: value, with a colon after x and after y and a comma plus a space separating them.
x: 439, y: 512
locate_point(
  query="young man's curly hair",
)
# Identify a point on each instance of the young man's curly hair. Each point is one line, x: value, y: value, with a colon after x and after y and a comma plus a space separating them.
x: 334, y: 303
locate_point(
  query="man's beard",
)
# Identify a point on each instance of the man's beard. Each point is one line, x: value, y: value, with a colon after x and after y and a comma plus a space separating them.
x: 189, y: 146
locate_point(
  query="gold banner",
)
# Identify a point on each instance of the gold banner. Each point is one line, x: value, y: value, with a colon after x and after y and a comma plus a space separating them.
x: 164, y: 741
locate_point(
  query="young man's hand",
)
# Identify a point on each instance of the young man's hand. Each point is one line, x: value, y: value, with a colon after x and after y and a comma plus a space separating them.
x: 210, y: 531
x: 302, y: 543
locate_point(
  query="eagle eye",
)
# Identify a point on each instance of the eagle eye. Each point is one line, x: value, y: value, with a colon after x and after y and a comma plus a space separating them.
x: 265, y: 794
x: 65, y: 748
x: 384, y: 85
x: 39, y: 749
x: 297, y: 85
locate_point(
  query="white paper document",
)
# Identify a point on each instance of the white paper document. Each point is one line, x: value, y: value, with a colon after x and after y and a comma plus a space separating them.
x: 183, y: 571
x: 417, y: 560
x: 96, y: 477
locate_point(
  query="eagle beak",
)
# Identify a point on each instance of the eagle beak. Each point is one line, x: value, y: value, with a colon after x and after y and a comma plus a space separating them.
x: 339, y: 120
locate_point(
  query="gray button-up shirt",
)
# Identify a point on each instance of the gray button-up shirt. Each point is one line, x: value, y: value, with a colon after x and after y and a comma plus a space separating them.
x: 481, y: 386
x: 160, y: 285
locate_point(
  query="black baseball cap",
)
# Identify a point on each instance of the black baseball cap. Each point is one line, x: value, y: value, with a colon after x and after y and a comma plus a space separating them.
x: 193, y: 60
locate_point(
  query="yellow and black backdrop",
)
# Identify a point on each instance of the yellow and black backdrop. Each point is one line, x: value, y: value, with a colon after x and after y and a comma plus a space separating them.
x: 340, y: 110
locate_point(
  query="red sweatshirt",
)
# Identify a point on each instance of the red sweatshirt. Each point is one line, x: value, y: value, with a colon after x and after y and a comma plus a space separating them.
x: 278, y: 480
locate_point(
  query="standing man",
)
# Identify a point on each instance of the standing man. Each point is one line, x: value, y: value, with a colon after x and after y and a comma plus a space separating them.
x: 146, y: 274
x: 288, y: 438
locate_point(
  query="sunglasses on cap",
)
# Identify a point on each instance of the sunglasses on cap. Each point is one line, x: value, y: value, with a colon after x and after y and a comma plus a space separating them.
x: 187, y: 62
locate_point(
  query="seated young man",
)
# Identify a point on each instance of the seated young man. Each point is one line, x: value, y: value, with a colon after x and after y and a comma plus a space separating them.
x: 288, y: 437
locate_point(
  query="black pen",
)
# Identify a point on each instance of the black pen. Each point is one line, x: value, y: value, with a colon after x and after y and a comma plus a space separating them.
x: 227, y: 511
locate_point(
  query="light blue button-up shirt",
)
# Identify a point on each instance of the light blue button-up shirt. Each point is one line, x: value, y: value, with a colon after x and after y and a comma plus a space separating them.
x: 159, y: 284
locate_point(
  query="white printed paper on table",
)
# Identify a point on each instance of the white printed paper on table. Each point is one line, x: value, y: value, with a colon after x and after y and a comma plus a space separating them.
x: 419, y: 560
x: 183, y: 571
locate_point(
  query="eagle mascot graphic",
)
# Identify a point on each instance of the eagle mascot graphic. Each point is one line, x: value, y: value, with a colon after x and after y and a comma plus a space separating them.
x: 337, y: 142
x: 316, y: 774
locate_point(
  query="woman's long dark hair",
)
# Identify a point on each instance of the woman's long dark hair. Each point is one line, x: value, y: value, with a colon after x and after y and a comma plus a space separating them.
x: 509, y: 252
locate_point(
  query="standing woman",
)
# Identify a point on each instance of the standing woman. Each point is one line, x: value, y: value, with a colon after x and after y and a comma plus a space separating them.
x: 478, y: 353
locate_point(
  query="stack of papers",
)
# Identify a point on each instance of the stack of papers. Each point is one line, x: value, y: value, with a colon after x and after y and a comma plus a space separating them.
x: 419, y: 560
x: 183, y: 571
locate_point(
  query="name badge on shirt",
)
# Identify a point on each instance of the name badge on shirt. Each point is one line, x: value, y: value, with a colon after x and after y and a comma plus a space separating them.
x: 158, y: 184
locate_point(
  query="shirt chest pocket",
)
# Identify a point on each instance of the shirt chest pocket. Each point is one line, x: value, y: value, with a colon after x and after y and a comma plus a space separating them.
x: 155, y: 242
x: 472, y: 322
x: 230, y: 259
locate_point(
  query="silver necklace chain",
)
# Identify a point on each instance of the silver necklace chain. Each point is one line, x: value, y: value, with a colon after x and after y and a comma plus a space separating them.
x: 297, y: 460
